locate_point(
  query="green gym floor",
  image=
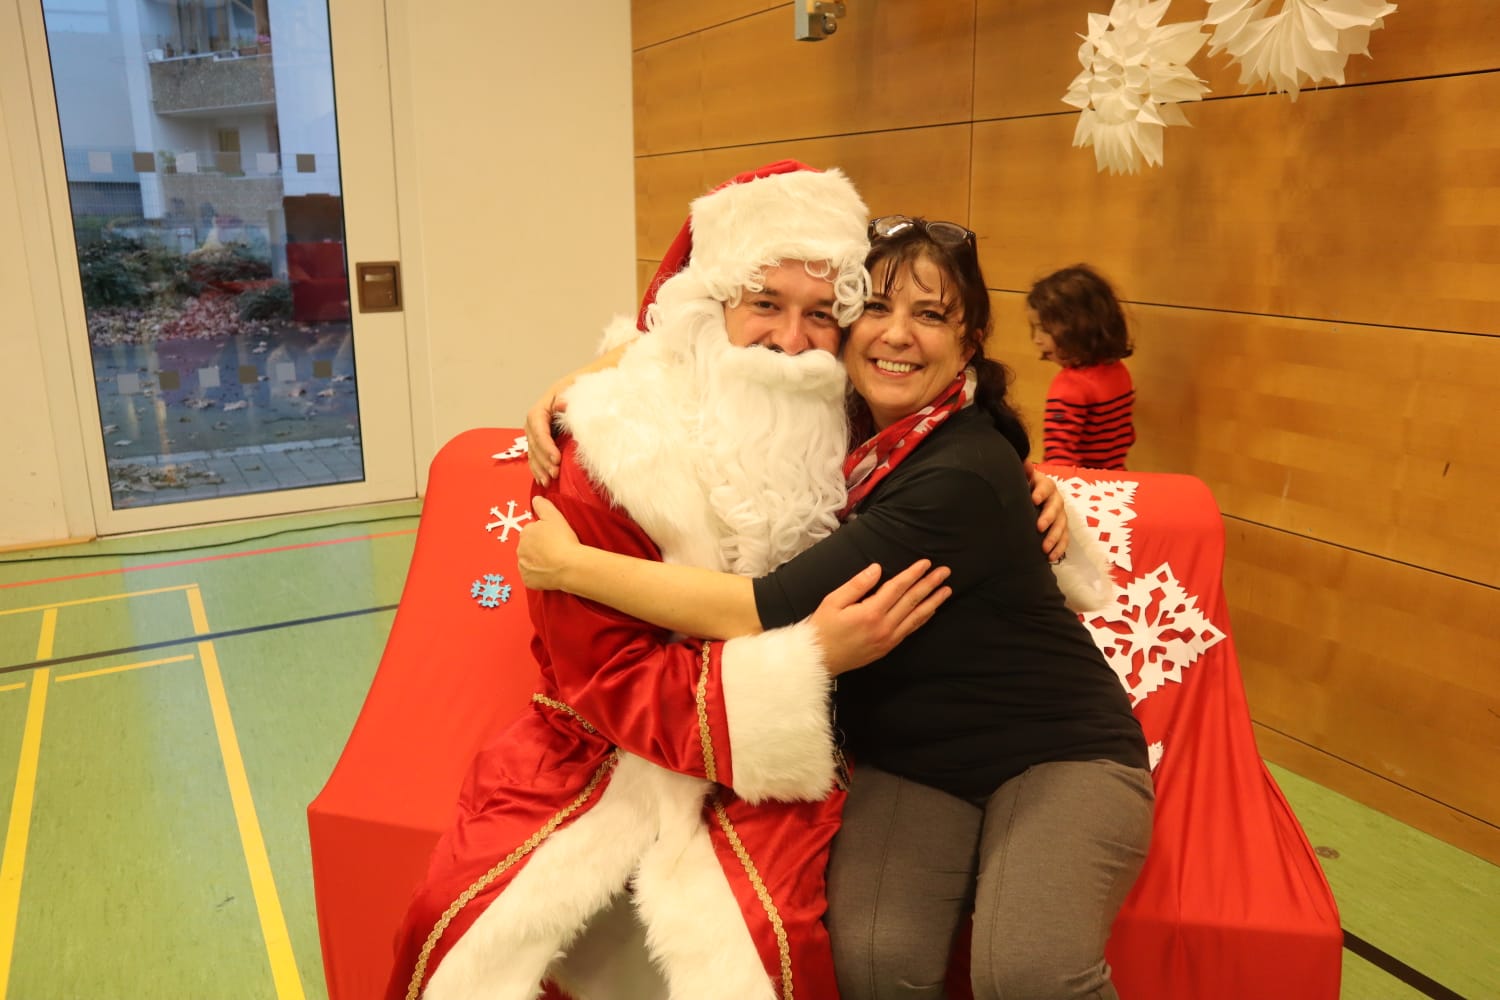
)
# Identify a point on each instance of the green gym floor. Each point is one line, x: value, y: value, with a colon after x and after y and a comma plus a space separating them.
x: 169, y: 704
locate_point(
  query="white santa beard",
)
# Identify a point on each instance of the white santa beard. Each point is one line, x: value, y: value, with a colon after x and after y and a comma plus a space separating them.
x: 774, y: 434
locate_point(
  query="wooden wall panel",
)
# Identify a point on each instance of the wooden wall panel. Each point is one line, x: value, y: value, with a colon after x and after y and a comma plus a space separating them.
x: 1408, y: 805
x: 1027, y: 50
x: 1363, y: 436
x: 1389, y: 667
x: 917, y: 171
x: 664, y: 185
x: 668, y: 96
x: 1377, y: 205
x: 656, y: 21
x: 749, y: 81
x: 1027, y: 54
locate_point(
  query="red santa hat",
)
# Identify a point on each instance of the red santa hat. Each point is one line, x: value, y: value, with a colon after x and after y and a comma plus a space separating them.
x: 782, y: 211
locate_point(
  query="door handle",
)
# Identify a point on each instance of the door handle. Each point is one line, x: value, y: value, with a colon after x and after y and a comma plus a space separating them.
x: 378, y: 286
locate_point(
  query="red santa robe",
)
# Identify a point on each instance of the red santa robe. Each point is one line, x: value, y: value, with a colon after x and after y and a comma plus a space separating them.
x: 700, y: 774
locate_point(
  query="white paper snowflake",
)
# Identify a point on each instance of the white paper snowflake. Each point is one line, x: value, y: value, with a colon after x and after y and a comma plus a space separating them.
x: 1107, y: 508
x: 1154, y: 753
x: 1134, y: 76
x: 517, y: 450
x: 507, y: 520
x: 1305, y: 43
x: 1153, y: 634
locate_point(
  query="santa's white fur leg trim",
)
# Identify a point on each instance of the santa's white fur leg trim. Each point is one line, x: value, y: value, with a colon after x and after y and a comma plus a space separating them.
x: 695, y: 928
x: 571, y: 876
x: 776, y: 697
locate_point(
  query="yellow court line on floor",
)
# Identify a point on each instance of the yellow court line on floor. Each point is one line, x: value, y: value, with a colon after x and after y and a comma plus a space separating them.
x: 13, y: 862
x: 12, y: 687
x: 262, y: 883
x: 47, y: 638
x: 115, y: 670
x: 95, y: 600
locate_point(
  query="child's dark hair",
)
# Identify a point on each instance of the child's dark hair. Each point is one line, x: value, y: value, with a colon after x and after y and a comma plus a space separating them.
x: 1077, y: 306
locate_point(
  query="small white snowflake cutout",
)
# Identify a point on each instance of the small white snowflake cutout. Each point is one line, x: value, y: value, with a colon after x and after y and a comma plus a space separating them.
x: 1153, y: 753
x: 507, y: 520
x: 491, y: 591
x: 516, y: 450
x: 1154, y: 632
x: 1108, y: 509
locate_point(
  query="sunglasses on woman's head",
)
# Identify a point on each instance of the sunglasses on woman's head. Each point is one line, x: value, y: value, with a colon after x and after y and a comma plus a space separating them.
x: 944, y: 233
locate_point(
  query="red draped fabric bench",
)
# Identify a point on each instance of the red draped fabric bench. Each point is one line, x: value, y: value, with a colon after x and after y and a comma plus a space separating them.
x: 1232, y: 903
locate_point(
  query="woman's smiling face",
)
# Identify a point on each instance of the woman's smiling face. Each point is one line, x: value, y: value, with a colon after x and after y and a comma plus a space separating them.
x: 908, y: 344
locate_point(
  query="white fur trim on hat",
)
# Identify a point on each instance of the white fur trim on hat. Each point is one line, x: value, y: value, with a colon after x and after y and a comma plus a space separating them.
x: 809, y: 215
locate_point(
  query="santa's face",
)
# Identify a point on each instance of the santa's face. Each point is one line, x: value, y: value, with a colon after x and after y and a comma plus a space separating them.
x: 792, y: 313
x: 768, y: 430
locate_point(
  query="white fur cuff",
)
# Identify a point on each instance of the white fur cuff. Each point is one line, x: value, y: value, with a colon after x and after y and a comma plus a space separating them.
x: 776, y: 697
x: 1083, y: 576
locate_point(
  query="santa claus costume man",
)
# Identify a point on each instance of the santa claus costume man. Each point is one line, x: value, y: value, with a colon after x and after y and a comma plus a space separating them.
x: 658, y: 824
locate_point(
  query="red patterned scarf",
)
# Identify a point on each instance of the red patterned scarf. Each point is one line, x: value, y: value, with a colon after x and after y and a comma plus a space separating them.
x: 872, y: 461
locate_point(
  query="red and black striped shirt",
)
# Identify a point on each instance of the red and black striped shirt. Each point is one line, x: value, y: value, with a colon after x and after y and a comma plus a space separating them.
x: 1090, y: 417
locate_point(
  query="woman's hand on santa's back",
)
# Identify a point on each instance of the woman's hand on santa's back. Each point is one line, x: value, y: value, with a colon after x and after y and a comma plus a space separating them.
x: 541, y: 448
x: 544, y: 548
x: 1052, y: 515
x: 542, y: 453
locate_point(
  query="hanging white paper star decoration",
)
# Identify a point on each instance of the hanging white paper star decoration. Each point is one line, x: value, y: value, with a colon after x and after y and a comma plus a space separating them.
x: 1306, y: 43
x: 1134, y: 76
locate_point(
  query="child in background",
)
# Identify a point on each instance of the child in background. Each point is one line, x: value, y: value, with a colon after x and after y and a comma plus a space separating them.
x: 1076, y: 322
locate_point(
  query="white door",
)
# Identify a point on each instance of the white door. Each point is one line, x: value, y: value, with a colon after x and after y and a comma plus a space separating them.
x: 216, y: 173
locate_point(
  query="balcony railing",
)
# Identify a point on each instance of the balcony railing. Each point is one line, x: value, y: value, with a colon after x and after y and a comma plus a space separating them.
x: 208, y: 82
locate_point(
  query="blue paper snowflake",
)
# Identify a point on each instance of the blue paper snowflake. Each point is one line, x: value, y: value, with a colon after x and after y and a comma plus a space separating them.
x: 491, y: 591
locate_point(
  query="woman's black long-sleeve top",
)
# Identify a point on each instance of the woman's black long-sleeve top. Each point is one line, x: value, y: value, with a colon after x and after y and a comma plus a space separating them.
x: 1004, y: 676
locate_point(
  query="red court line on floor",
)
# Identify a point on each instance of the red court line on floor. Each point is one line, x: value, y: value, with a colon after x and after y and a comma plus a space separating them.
x: 204, y: 559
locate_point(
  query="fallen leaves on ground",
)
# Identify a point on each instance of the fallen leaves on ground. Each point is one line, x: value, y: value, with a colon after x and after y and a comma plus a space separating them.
x: 135, y: 478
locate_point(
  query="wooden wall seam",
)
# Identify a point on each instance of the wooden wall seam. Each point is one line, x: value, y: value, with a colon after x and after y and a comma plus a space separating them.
x: 1413, y: 808
x: 1355, y: 550
x: 698, y: 26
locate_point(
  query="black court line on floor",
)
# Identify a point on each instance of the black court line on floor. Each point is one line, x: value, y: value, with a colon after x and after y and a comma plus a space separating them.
x: 189, y: 640
x: 1393, y: 966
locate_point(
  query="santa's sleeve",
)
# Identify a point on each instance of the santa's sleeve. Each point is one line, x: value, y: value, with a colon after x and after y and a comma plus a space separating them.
x: 750, y: 713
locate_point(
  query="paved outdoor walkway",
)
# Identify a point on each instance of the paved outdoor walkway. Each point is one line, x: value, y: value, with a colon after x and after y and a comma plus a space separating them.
x: 203, y: 475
